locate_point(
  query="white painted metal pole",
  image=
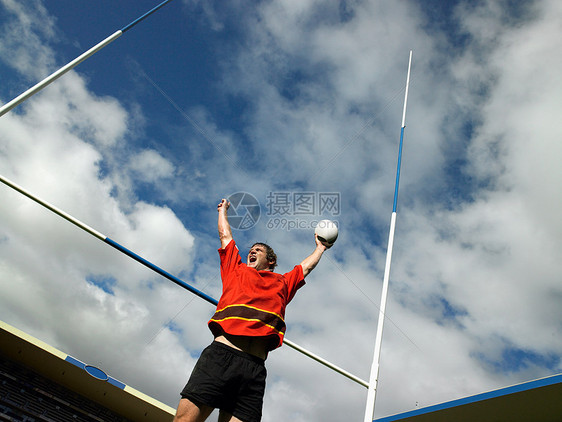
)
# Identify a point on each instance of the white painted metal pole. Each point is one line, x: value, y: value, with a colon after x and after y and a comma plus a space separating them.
x: 57, y: 74
x: 373, y: 379
x: 326, y: 363
x: 52, y: 208
x: 54, y: 76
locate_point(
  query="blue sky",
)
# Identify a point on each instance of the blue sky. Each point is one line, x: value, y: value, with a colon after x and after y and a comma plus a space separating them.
x: 295, y: 101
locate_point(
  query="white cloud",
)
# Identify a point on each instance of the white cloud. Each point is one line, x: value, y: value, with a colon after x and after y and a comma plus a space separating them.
x: 150, y: 166
x: 22, y: 44
x: 158, y: 233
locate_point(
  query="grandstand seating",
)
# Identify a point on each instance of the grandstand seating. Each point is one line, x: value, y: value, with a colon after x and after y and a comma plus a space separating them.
x: 28, y: 397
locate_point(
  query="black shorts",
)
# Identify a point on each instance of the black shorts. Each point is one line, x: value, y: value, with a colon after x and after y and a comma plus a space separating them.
x: 230, y: 380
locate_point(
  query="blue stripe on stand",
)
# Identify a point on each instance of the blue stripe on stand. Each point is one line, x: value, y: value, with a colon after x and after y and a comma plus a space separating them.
x: 95, y: 372
x: 543, y: 382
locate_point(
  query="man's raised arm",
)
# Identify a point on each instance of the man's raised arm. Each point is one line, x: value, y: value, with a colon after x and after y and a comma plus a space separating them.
x: 225, y: 233
x: 312, y: 260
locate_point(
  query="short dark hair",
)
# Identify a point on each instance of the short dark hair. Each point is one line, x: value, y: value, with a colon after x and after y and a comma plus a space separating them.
x: 270, y: 254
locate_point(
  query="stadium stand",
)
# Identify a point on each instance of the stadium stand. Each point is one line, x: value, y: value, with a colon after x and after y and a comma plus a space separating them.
x: 40, y: 383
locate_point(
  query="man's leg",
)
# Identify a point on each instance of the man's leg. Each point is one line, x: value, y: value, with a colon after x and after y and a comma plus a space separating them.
x: 190, y: 412
x: 227, y: 417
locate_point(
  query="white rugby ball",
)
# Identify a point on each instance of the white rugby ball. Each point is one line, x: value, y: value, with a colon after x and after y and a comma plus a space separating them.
x: 327, y: 232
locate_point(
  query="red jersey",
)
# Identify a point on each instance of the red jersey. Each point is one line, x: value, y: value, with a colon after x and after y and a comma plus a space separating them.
x: 253, y: 302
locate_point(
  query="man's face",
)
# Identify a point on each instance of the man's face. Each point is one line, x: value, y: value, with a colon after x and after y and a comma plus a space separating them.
x: 257, y: 258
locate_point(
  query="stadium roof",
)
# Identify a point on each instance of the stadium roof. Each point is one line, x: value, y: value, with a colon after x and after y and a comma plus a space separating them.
x: 538, y: 401
x: 84, y: 379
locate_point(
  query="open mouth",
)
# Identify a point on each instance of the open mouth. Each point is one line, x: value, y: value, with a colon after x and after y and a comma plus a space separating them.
x: 252, y: 258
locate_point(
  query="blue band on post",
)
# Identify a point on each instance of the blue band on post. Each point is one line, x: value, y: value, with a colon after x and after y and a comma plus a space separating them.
x: 133, y: 23
x: 160, y: 271
x: 394, y: 205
